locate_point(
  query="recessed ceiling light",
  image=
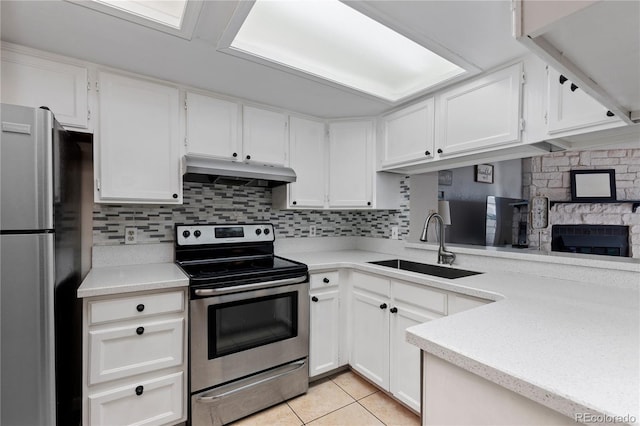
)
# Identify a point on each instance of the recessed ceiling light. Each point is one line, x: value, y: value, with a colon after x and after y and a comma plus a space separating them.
x: 329, y: 40
x: 177, y: 17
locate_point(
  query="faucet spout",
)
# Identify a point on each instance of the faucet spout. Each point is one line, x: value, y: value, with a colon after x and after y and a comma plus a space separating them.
x: 444, y: 256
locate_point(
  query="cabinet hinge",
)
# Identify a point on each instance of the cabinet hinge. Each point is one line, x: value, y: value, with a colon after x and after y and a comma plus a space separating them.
x: 546, y: 117
x: 97, y: 86
x: 522, y: 124
x: 88, y: 114
x: 523, y: 78
x: 97, y: 184
x: 185, y: 103
x: 88, y: 85
x: 185, y: 142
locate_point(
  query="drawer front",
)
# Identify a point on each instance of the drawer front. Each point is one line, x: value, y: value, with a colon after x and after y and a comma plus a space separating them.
x: 371, y: 283
x: 323, y: 279
x: 420, y: 296
x: 124, y: 351
x: 160, y: 402
x: 123, y: 308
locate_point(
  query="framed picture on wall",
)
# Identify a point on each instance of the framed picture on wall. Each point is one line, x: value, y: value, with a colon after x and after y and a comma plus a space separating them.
x: 593, y: 185
x: 484, y: 173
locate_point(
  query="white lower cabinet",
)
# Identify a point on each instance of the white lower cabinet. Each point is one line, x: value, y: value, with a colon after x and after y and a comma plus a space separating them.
x: 158, y: 401
x: 381, y: 312
x: 135, y: 359
x: 325, y: 336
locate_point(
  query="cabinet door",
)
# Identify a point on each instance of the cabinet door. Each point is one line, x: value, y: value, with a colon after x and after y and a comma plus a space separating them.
x: 573, y: 110
x: 35, y: 82
x: 350, y: 164
x: 307, y: 149
x: 324, y: 334
x: 123, y: 351
x: 157, y: 401
x: 480, y: 114
x: 370, y: 341
x: 409, y: 134
x: 138, y: 140
x: 264, y: 136
x: 212, y: 127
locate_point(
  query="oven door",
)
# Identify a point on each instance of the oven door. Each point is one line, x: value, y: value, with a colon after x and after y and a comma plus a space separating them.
x: 234, y: 335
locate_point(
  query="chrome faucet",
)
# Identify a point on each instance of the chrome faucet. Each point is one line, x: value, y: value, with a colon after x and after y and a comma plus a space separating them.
x: 444, y: 256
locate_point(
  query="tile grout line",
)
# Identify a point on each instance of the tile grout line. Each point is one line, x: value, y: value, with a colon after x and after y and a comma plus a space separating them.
x: 294, y: 412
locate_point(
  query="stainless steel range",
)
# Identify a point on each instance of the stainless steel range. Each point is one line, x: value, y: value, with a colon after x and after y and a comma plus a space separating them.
x: 249, y: 321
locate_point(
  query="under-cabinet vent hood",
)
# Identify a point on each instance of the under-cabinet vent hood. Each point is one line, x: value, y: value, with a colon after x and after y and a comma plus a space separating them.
x: 211, y: 170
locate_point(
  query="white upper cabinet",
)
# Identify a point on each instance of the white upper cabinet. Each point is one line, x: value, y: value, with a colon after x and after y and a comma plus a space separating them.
x: 480, y: 114
x: 264, y: 136
x: 212, y: 126
x: 34, y: 82
x: 408, y: 134
x: 307, y: 150
x: 574, y: 111
x: 137, y: 151
x: 351, y: 163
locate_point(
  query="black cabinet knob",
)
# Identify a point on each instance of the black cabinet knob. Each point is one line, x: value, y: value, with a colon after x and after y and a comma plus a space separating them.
x: 314, y: 299
x: 427, y: 153
x: 140, y: 307
x: 266, y: 231
x: 248, y: 157
x: 139, y: 331
x: 562, y: 79
x: 235, y: 154
x: 439, y: 151
x: 139, y: 390
x: 368, y: 203
x: 393, y: 310
x: 325, y: 280
x: 186, y: 234
x: 197, y: 233
x: 175, y: 195
x: 258, y: 231
x: 573, y: 87
x: 294, y: 203
x: 383, y: 306
x: 610, y: 114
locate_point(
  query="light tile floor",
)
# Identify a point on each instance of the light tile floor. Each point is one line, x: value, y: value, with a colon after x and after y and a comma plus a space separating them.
x: 344, y: 399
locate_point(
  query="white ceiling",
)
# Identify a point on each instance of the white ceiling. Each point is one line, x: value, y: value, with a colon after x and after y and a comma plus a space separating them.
x: 477, y: 31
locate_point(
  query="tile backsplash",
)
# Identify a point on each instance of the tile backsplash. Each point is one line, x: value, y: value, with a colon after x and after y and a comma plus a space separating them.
x: 211, y: 203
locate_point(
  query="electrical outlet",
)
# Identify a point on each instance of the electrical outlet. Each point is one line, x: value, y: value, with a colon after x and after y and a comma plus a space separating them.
x: 130, y: 235
x: 394, y: 232
x: 312, y: 231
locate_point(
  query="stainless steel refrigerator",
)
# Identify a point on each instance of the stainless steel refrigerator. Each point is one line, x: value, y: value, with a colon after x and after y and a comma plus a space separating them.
x: 40, y: 355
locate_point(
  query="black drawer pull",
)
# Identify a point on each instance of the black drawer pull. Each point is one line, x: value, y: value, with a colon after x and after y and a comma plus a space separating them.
x: 393, y: 310
x: 383, y: 306
x: 573, y: 87
x: 140, y: 307
x: 439, y: 151
x: 314, y: 299
x: 325, y: 280
x: 610, y: 114
x: 562, y: 79
x: 139, y: 331
x: 139, y: 390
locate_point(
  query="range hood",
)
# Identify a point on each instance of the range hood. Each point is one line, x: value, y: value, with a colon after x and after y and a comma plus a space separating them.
x: 212, y: 170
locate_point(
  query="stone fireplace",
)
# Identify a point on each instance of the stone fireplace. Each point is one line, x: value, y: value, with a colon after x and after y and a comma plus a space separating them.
x: 548, y: 175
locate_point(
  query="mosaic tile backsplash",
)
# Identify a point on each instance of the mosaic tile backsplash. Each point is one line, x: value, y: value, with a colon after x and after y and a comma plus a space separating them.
x: 210, y: 203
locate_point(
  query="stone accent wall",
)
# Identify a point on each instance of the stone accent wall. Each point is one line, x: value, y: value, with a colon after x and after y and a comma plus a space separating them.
x: 548, y: 175
x: 211, y: 203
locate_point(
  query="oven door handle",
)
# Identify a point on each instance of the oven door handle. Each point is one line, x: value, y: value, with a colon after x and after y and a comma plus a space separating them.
x: 282, y: 371
x: 233, y: 289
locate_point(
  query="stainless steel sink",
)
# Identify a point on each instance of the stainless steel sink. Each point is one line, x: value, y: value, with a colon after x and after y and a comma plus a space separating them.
x: 423, y: 268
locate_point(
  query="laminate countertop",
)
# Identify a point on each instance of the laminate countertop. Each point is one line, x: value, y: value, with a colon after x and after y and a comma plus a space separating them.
x: 573, y: 347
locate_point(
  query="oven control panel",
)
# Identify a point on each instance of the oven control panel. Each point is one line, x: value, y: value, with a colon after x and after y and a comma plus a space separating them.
x: 191, y: 235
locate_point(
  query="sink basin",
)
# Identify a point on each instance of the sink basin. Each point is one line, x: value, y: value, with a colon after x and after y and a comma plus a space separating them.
x: 423, y: 268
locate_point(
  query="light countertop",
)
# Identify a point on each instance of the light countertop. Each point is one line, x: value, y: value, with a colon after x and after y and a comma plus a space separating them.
x: 129, y: 278
x: 572, y: 347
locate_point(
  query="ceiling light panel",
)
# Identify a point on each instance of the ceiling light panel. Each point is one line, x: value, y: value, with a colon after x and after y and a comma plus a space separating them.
x: 167, y: 12
x: 330, y: 40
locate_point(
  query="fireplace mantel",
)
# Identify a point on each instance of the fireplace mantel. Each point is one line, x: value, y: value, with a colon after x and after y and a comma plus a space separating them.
x: 635, y: 203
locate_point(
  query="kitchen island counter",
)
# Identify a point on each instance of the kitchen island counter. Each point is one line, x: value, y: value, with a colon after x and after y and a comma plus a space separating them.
x: 573, y: 347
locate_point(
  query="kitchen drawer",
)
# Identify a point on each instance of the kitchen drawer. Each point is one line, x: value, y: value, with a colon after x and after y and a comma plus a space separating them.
x: 139, y: 348
x: 160, y: 402
x: 371, y: 283
x: 420, y: 296
x: 319, y: 280
x: 124, y: 308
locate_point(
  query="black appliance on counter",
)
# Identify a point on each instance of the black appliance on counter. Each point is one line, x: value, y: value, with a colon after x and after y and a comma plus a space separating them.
x: 249, y: 320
